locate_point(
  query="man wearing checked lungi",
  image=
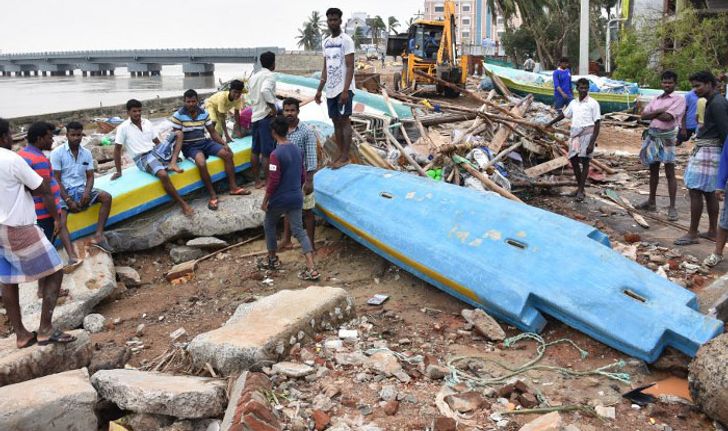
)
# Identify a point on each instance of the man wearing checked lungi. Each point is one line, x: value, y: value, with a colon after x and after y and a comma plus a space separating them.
x: 701, y: 174
x: 665, y: 113
x: 585, y: 116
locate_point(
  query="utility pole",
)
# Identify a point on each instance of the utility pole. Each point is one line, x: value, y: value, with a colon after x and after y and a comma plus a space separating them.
x: 584, y: 38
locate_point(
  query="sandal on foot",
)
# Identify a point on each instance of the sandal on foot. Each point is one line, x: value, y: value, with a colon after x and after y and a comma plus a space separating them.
x: 686, y: 241
x: 672, y: 214
x: 270, y: 263
x: 72, y: 266
x: 240, y: 191
x: 704, y: 235
x: 646, y: 206
x: 713, y: 260
x: 33, y: 340
x: 103, y: 246
x: 310, y: 275
x: 212, y: 204
x: 57, y: 337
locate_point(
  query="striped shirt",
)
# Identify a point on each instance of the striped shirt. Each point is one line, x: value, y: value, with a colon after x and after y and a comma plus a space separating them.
x: 305, y: 139
x: 192, y: 128
x: 35, y: 158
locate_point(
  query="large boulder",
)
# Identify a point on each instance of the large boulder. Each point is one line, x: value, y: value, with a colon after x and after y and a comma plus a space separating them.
x: 264, y: 331
x: 708, y: 379
x: 88, y: 285
x: 161, y: 394
x: 19, y: 365
x: 235, y: 213
x: 62, y: 402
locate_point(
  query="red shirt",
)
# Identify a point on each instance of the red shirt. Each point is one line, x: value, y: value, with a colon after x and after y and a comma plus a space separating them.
x: 42, y: 166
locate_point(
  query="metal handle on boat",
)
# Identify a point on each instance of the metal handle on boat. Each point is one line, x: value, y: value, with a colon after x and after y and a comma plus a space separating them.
x: 517, y: 244
x: 634, y: 295
x: 386, y: 195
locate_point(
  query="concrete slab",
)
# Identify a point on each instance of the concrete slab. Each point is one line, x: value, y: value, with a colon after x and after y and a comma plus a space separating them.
x: 19, y: 365
x: 713, y: 299
x: 62, y: 402
x: 183, y: 397
x: 262, y: 332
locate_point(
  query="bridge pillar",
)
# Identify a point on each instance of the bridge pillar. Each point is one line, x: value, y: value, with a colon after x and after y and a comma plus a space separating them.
x: 55, y: 69
x: 144, y: 69
x: 95, y: 69
x: 198, y: 69
x: 19, y: 69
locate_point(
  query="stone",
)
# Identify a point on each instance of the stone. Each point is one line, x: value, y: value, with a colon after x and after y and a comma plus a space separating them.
x: 101, y: 153
x: 192, y: 425
x: 94, y: 323
x: 672, y: 361
x: 183, y: 253
x: 128, y: 275
x: 249, y: 408
x: 147, y: 422
x: 88, y: 285
x: 708, y: 378
x: 140, y: 330
x: 390, y: 408
x: 527, y: 400
x: 436, y: 372
x: 293, y: 369
x: 57, y: 402
x: 713, y: 299
x: 442, y: 423
x: 177, y: 334
x: 548, y: 422
x: 571, y: 427
x: 484, y: 324
x: 267, y: 329
x: 606, y: 412
x: 19, y: 365
x: 155, y: 393
x: 235, y: 214
x: 109, y: 358
x: 465, y: 402
x: 384, y: 362
x: 388, y: 393
x: 207, y: 243
x: 353, y: 358
x: 320, y: 419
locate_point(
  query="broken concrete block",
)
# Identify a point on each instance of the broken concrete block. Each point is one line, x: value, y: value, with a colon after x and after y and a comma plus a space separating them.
x: 88, y: 285
x: 178, y: 333
x: 147, y: 422
x: 266, y: 330
x: 713, y: 300
x: 465, y: 402
x: 484, y: 324
x: 249, y: 407
x: 94, y: 323
x: 183, y: 254
x: 606, y: 412
x: 62, y: 402
x: 207, y: 243
x: 129, y: 276
x: 154, y: 393
x: 293, y: 369
x: 548, y: 422
x: 708, y: 378
x: 19, y: 365
x: 109, y: 358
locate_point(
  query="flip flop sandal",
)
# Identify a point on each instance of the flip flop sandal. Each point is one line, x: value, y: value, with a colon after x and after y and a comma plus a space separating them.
x: 672, y: 215
x: 72, y: 266
x: 103, y: 245
x: 57, y: 337
x: 269, y: 264
x: 686, y: 241
x: 309, y: 275
x: 713, y: 260
x: 240, y: 191
x: 706, y: 236
x: 646, y: 206
x: 30, y: 342
x: 212, y: 204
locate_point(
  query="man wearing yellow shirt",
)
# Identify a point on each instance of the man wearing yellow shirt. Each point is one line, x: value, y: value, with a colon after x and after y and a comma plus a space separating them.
x: 219, y: 105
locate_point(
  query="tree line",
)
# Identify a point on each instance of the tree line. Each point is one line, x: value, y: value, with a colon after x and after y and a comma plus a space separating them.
x: 314, y: 30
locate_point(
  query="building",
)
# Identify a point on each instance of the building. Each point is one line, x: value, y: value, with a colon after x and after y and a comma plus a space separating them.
x: 636, y: 12
x: 477, y: 25
x: 358, y: 19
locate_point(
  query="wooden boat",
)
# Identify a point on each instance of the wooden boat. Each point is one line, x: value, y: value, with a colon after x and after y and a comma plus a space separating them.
x: 136, y: 192
x: 517, y: 262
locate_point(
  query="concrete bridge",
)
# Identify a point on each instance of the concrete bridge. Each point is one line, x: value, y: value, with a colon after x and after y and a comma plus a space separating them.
x: 139, y: 62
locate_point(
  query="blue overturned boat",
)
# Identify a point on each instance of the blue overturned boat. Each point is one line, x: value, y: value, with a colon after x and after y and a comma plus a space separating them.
x: 517, y: 262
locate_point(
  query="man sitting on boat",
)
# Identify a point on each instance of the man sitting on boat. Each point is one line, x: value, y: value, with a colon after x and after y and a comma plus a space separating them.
x: 529, y: 64
x: 585, y: 116
x: 665, y: 113
x: 221, y: 103
x: 73, y: 169
x: 137, y: 136
x: 190, y: 123
x: 563, y: 94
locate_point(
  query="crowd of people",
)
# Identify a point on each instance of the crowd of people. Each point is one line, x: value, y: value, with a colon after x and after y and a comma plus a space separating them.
x: 37, y: 193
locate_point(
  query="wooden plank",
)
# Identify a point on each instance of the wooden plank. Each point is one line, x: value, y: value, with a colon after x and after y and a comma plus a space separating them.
x: 624, y: 203
x: 538, y: 170
x: 504, y: 133
x: 487, y: 182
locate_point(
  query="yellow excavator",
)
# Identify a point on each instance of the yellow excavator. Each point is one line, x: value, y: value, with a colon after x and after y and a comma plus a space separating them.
x: 429, y: 47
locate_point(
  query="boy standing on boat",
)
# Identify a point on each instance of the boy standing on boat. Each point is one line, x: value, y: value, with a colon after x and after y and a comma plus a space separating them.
x: 665, y: 112
x: 73, y: 168
x: 283, y: 196
x: 190, y: 123
x: 263, y: 102
x: 337, y: 77
x: 701, y: 174
x: 221, y: 103
x: 585, y: 116
x: 137, y: 136
x: 563, y: 94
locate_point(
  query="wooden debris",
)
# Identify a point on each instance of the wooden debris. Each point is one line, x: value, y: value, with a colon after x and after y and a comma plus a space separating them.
x: 538, y: 170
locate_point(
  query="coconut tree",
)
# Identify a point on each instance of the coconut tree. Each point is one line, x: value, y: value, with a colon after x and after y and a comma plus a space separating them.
x: 306, y: 37
x: 392, y: 25
x: 376, y: 27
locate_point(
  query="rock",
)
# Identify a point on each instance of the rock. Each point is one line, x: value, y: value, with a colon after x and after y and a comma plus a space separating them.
x: 320, y: 419
x: 57, y: 402
x: 388, y: 393
x: 606, y: 412
x: 94, y: 323
x: 708, y: 378
x: 527, y: 400
x: 193, y: 425
x: 571, y: 427
x: 140, y: 330
x: 249, y: 408
x: 147, y: 422
x: 632, y: 237
x: 19, y: 365
x: 548, y: 422
x: 465, y: 402
x: 236, y: 213
x: 183, y: 253
x: 390, y: 408
x: 266, y: 330
x: 384, y: 362
x: 672, y: 361
x: 353, y: 358
x: 207, y: 243
x: 88, y: 285
x: 293, y: 369
x: 177, y: 334
x: 145, y: 392
x: 484, y: 324
x: 128, y: 275
x: 436, y: 372
x: 109, y: 358
x: 101, y: 153
x: 322, y: 402
x: 442, y: 423
x: 713, y: 299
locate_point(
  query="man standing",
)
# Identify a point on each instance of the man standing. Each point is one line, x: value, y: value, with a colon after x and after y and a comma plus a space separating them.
x: 25, y: 253
x: 303, y: 137
x: 585, y: 117
x: 263, y: 101
x: 190, y: 123
x: 529, y: 64
x: 689, y: 123
x: 137, y: 136
x: 73, y: 169
x: 338, y: 78
x: 562, y: 84
x: 701, y: 174
x: 221, y: 103
x: 658, y: 146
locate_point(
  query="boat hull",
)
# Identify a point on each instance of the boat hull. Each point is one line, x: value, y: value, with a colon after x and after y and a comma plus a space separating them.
x: 517, y: 262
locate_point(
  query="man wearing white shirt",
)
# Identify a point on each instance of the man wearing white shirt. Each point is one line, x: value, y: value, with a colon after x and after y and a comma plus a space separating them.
x: 585, y: 116
x: 338, y: 79
x: 262, y: 94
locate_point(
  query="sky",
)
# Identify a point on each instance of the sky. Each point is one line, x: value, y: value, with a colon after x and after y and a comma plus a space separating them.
x: 59, y: 25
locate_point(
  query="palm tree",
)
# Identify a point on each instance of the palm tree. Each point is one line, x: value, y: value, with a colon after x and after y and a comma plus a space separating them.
x: 316, y: 23
x: 306, y: 37
x: 392, y: 25
x: 357, y: 37
x: 376, y: 27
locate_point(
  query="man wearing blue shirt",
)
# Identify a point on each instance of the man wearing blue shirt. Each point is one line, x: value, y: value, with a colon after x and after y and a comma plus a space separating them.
x: 562, y: 84
x: 690, y: 120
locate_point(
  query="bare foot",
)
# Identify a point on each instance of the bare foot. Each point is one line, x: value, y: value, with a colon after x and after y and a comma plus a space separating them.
x: 339, y: 163
x: 285, y: 244
x: 26, y: 340
x: 187, y: 210
x: 259, y: 184
x: 174, y: 167
x: 707, y: 235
